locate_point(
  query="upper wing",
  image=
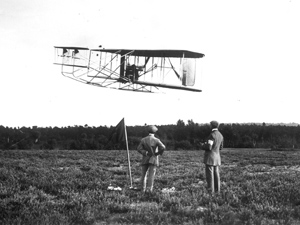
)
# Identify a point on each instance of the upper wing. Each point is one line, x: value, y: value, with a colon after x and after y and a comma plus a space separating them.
x: 154, y: 53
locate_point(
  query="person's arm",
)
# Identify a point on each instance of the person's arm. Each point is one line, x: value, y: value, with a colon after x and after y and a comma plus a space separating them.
x: 208, y: 145
x: 222, y: 144
x: 141, y: 149
x: 161, y: 147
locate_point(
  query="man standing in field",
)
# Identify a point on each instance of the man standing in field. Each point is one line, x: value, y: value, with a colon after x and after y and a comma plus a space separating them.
x: 150, y: 147
x: 212, y: 158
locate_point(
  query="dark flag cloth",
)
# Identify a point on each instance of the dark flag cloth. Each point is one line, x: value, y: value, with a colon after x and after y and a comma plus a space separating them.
x: 118, y: 133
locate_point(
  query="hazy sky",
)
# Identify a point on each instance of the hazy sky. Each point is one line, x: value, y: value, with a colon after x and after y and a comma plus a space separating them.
x: 250, y: 71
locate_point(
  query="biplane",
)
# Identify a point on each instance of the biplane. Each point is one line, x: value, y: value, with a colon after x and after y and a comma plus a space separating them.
x: 128, y: 69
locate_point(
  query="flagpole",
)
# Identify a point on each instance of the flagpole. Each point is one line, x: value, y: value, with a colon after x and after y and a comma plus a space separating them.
x: 128, y: 157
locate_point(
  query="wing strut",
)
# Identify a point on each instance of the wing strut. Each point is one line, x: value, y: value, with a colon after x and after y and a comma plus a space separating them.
x: 174, y: 69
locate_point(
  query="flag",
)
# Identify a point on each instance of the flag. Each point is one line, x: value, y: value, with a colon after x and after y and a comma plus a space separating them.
x: 118, y: 133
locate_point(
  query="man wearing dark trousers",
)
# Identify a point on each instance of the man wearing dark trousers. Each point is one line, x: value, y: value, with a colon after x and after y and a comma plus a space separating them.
x: 212, y: 158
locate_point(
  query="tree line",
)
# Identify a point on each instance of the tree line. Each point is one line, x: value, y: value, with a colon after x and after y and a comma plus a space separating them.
x: 179, y: 136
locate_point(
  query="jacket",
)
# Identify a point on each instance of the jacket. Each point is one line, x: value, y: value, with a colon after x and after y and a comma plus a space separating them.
x: 150, y: 147
x: 212, y: 149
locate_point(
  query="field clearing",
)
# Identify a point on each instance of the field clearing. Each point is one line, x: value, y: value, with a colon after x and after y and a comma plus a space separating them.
x: 259, y: 186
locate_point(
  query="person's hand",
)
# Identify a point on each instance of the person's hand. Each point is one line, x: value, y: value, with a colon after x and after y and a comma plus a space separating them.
x: 148, y: 154
x: 203, y: 145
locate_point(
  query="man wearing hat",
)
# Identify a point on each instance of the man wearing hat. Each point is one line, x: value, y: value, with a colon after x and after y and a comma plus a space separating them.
x: 150, y: 147
x: 212, y: 158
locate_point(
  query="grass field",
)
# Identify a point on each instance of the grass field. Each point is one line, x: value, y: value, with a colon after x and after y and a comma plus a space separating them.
x: 70, y: 187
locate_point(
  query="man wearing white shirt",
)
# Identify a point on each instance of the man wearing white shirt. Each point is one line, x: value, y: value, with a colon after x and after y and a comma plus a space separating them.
x: 212, y: 158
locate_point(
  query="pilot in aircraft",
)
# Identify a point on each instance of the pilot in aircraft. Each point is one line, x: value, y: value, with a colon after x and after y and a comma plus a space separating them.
x: 132, y: 72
